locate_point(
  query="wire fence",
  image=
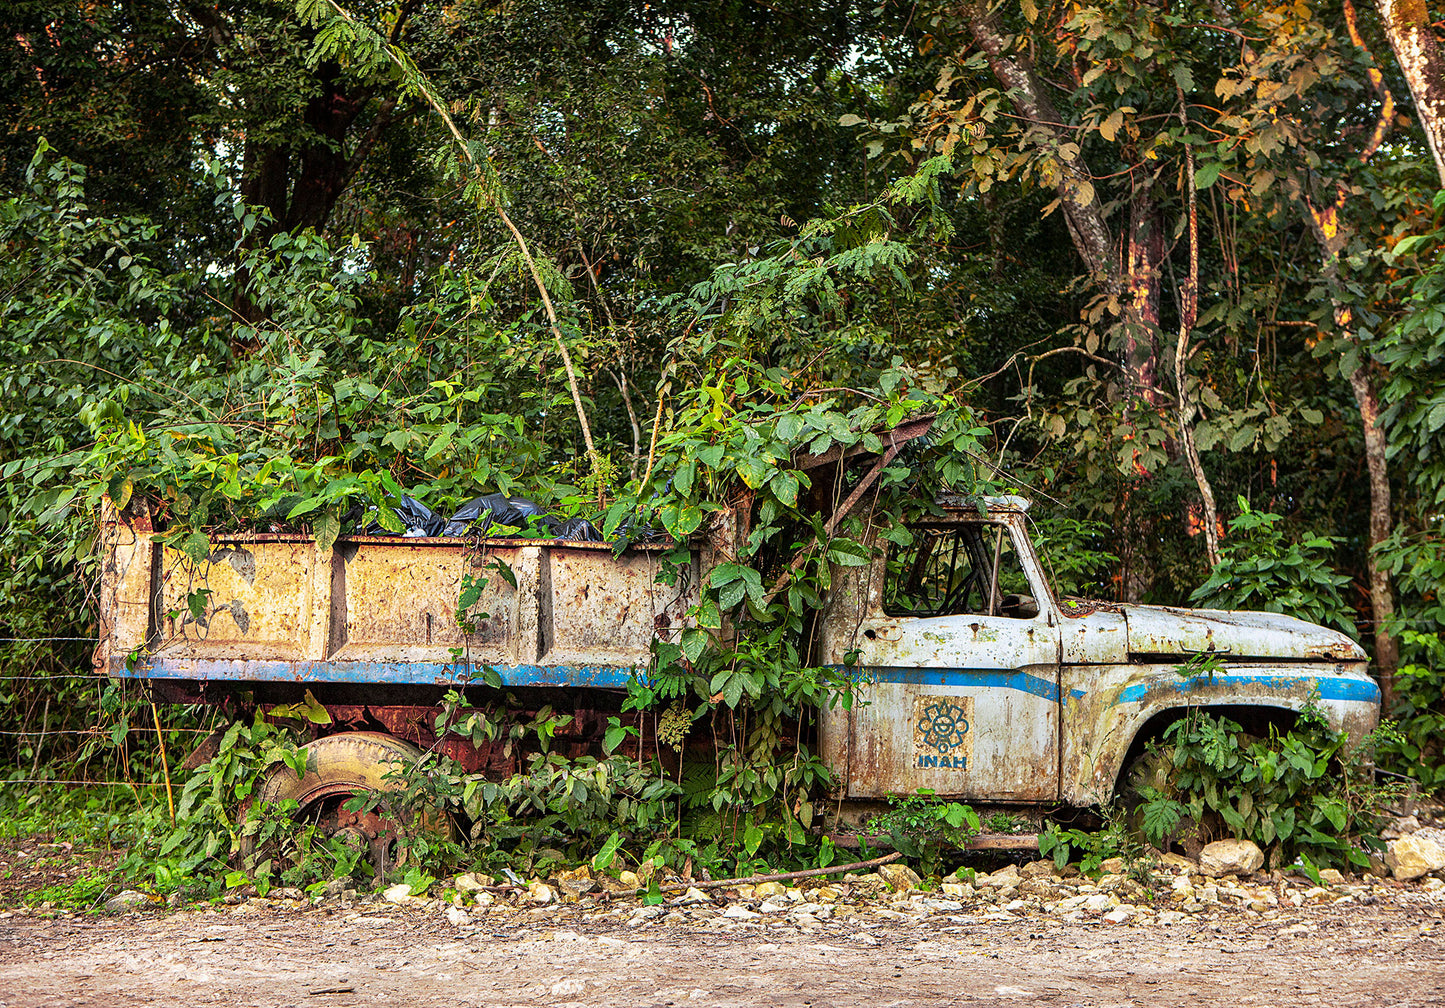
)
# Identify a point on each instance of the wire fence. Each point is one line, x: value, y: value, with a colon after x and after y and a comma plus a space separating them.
x: 41, y: 640
x: 37, y: 737
x: 87, y: 783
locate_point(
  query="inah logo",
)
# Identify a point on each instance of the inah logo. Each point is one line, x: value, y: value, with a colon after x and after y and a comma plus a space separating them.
x: 942, y: 731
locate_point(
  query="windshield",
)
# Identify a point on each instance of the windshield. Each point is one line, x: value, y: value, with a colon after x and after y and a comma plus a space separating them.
x: 955, y: 570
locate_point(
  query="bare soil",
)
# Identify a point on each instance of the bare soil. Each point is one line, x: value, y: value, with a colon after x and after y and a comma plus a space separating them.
x: 1337, y: 956
x: 30, y: 867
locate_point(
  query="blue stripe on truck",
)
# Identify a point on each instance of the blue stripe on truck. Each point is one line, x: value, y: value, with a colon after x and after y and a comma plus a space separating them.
x: 448, y: 674
x: 970, y: 678
x: 614, y: 677
x: 400, y: 672
x: 1331, y: 688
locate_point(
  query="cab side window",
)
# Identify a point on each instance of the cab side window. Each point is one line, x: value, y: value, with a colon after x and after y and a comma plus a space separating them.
x: 958, y: 570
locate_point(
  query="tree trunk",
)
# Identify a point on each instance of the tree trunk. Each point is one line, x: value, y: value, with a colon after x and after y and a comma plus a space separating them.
x: 1188, y: 316
x: 1382, y: 602
x: 1333, y: 236
x: 1407, y: 23
x: 1080, y: 205
x: 322, y: 171
x: 1138, y: 285
x: 324, y: 168
x: 1140, y: 282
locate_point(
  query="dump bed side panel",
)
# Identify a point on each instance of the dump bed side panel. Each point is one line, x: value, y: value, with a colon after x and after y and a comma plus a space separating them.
x: 387, y: 610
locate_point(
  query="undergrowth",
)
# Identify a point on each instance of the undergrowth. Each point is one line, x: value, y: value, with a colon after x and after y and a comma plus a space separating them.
x: 1305, y: 796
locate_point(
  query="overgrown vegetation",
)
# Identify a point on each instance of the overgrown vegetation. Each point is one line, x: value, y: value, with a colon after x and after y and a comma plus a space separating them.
x: 258, y: 308
x: 1304, y: 795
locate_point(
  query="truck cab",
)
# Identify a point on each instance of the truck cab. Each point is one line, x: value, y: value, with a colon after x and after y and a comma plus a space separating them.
x: 974, y: 680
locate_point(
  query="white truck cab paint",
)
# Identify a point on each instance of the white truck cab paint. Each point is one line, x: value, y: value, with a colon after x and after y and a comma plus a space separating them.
x: 975, y: 681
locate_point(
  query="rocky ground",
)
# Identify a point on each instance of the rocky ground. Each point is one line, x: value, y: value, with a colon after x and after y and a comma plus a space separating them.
x: 1166, y: 930
x: 1181, y: 932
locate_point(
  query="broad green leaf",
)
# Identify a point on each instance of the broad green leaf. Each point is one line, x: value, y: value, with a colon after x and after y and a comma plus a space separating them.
x: 694, y: 642
x: 441, y: 444
x: 753, y: 472
x: 305, y: 506
x: 603, y: 858
x: 120, y: 490
x: 784, y: 484
x: 731, y: 594
x: 1206, y: 175
x: 789, y: 426
x: 326, y: 528
x: 389, y: 520
x: 711, y: 456
x: 734, y: 688
x: 682, y: 480
x: 196, y: 547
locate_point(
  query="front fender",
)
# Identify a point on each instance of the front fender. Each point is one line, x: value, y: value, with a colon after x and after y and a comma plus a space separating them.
x: 1106, y: 706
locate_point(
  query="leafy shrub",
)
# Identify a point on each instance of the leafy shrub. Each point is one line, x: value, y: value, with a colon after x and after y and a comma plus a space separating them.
x: 923, y: 827
x: 1415, y: 750
x: 1300, y: 794
x: 1090, y: 847
x: 1417, y: 564
x: 1077, y: 554
x: 1259, y: 569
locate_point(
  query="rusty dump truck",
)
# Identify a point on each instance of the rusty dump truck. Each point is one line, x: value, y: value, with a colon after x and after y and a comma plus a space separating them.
x: 973, y: 679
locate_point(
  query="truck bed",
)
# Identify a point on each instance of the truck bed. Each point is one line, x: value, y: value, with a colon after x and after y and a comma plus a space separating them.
x: 384, y: 610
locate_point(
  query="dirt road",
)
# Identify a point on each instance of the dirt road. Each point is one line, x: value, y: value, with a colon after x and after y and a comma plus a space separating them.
x: 1363, y: 955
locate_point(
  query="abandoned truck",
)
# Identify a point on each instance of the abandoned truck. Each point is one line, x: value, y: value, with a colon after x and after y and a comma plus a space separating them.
x: 973, y: 679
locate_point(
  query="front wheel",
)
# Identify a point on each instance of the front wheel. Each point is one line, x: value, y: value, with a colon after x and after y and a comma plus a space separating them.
x: 1153, y: 769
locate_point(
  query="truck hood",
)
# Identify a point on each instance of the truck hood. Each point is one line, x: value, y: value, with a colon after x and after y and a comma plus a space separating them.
x: 1161, y: 631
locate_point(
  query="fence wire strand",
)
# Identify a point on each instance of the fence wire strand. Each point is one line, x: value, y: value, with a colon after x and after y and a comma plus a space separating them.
x: 42, y: 734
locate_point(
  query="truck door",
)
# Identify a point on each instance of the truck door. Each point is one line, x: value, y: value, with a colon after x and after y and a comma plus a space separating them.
x: 959, y: 654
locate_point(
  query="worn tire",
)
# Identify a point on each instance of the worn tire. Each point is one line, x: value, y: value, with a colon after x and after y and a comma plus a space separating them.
x: 1151, y: 769
x: 338, y: 767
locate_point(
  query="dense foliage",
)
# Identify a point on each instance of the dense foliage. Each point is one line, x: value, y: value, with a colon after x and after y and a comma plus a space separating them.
x: 1161, y: 268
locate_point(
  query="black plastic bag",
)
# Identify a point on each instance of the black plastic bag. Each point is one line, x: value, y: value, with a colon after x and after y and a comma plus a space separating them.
x: 579, y: 530
x: 420, y: 520
x: 481, y: 513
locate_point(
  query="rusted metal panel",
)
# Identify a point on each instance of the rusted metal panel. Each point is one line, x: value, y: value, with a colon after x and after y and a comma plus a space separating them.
x: 600, y: 610
x: 124, y: 583
x: 921, y: 677
x: 975, y: 733
x: 385, y: 610
x: 1105, y: 706
x: 396, y: 602
x: 1161, y: 630
x: 258, y: 599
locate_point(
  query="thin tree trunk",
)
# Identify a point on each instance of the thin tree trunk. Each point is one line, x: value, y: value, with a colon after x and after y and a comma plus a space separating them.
x: 1080, y: 205
x: 1139, y: 297
x: 1332, y: 237
x: 1421, y: 59
x: 1382, y: 602
x: 1188, y: 314
x: 1140, y: 282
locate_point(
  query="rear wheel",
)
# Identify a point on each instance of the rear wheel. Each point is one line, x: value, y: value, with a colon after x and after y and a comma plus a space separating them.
x: 339, y: 767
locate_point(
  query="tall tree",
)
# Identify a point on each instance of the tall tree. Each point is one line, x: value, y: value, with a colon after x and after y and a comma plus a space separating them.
x: 1416, y: 40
